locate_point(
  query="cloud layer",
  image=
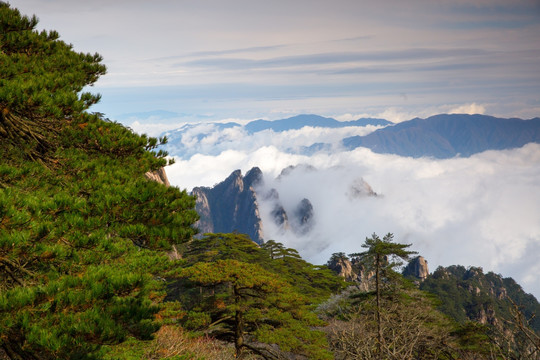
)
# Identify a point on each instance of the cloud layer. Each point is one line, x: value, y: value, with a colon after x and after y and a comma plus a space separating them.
x: 481, y: 211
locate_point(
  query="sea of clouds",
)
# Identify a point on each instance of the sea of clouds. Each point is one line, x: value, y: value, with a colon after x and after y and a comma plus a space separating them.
x: 481, y: 211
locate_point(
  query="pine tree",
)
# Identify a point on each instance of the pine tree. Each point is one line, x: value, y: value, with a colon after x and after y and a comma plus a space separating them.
x: 83, y: 233
x: 382, y: 256
x: 41, y: 83
x: 316, y: 282
x: 254, y: 309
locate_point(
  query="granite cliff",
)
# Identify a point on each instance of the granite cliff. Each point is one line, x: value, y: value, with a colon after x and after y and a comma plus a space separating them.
x: 231, y: 206
x: 417, y: 269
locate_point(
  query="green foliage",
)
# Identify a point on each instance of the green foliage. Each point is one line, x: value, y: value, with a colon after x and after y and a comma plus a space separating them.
x: 506, y: 311
x: 473, y: 336
x: 382, y: 256
x: 464, y: 293
x: 83, y: 237
x: 252, y: 307
x: 338, y: 257
x: 234, y: 246
x: 315, y: 282
x: 78, y: 250
x: 41, y: 83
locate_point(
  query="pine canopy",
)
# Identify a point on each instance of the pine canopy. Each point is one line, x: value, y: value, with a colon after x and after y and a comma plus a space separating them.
x: 83, y: 234
x: 41, y: 83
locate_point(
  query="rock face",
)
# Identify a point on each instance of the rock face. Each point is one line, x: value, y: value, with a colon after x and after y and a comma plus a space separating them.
x: 231, y: 205
x: 352, y: 271
x: 303, y: 216
x: 300, y: 220
x: 360, y: 188
x: 159, y: 176
x: 417, y: 268
x: 343, y: 267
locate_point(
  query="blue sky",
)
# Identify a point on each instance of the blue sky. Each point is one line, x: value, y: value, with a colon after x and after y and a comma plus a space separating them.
x: 215, y: 59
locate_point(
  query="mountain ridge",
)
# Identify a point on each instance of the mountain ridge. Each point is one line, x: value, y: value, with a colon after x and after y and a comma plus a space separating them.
x: 439, y: 136
x: 299, y: 121
x: 448, y: 135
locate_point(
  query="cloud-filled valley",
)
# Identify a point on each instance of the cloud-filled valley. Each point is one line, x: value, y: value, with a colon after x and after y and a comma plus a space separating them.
x: 483, y: 210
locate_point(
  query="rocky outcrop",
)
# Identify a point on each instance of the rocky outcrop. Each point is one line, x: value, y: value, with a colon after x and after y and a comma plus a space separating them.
x: 351, y: 271
x: 341, y: 265
x: 470, y: 294
x: 231, y: 206
x: 301, y: 220
x: 159, y: 176
x: 417, y: 269
x: 359, y: 189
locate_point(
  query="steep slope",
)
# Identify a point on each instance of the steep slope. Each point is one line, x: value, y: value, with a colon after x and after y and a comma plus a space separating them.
x: 469, y: 294
x: 446, y: 136
x: 510, y: 314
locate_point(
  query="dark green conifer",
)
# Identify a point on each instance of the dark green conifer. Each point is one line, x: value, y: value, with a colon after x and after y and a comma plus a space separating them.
x: 382, y: 256
x: 83, y: 234
x: 41, y: 83
x: 255, y: 309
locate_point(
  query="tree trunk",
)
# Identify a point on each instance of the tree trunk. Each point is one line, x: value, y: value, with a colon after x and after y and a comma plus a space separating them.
x: 239, y: 326
x: 378, y: 294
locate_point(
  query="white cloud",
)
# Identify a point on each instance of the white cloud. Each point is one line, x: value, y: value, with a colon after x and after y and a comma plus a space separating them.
x: 152, y: 128
x: 209, y: 139
x: 395, y: 115
x: 480, y: 211
x: 471, y: 109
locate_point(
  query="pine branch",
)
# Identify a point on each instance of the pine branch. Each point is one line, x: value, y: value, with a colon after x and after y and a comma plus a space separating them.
x: 11, y: 264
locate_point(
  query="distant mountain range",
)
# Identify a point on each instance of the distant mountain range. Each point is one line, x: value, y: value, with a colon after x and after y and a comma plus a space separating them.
x: 440, y: 136
x: 446, y: 136
x: 299, y: 121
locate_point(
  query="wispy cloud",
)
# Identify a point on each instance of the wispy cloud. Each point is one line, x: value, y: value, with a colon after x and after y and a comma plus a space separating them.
x: 334, y: 58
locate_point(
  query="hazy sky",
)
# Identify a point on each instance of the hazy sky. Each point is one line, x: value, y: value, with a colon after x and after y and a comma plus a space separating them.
x: 215, y: 59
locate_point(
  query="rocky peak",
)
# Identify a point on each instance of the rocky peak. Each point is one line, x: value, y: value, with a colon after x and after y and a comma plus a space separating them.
x: 360, y: 188
x: 304, y: 217
x: 231, y: 205
x: 473, y: 272
x: 233, y: 184
x: 417, y: 268
x: 253, y: 178
x: 351, y: 271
